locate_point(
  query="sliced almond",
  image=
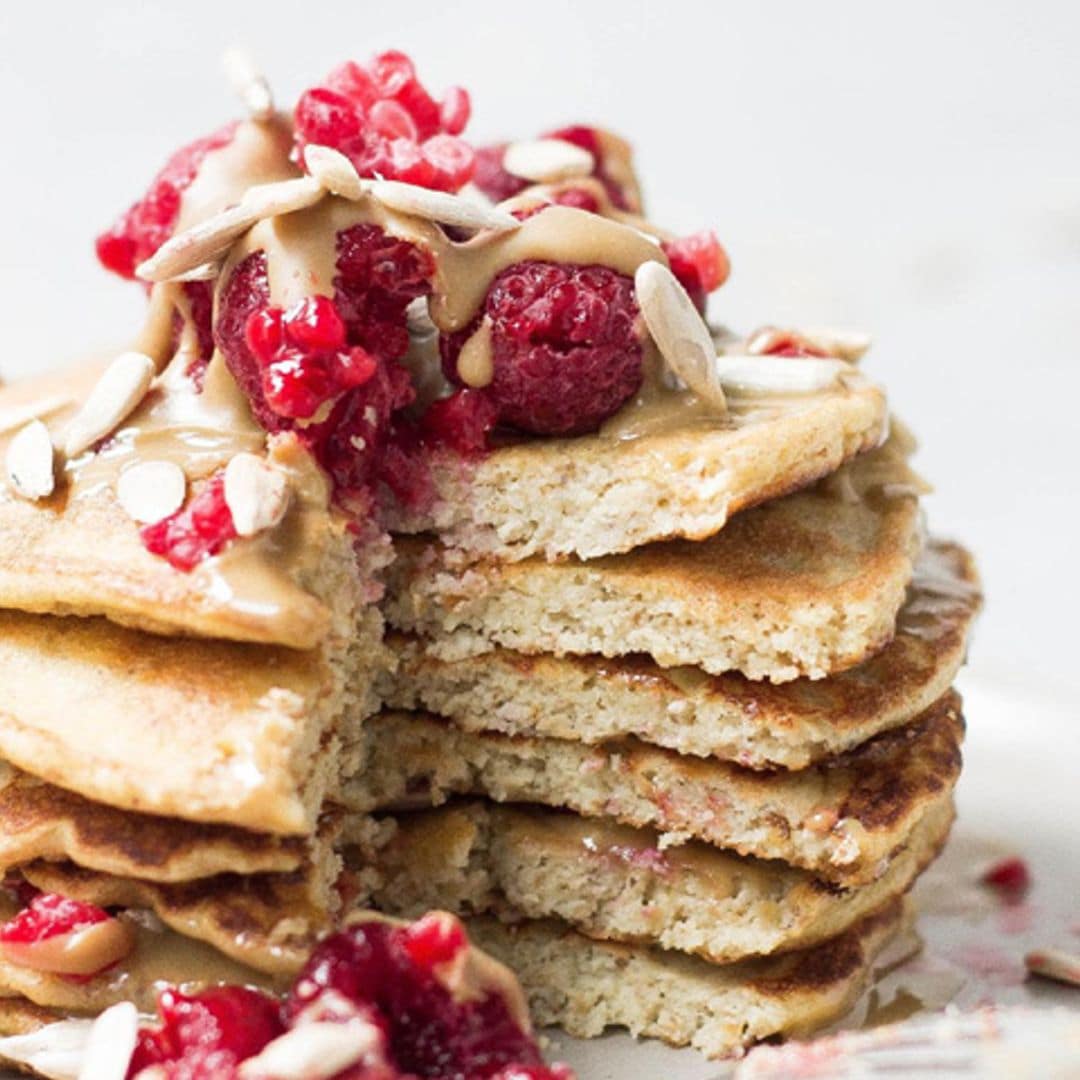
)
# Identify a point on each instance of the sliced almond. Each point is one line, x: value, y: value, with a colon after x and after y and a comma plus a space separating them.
x: 440, y: 206
x: 777, y: 374
x: 249, y: 83
x: 334, y: 171
x: 1054, y: 964
x: 546, y: 161
x: 679, y: 331
x: 111, y: 1043
x: 313, y: 1051
x: 256, y: 493
x: 850, y: 345
x: 151, y: 490
x: 209, y: 239
x: 203, y: 272
x: 55, y: 1050
x: 30, y: 462
x: 121, y: 387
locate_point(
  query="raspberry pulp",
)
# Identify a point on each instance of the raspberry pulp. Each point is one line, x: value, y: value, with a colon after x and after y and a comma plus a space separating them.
x: 196, y: 531
x: 700, y: 263
x: 389, y: 973
x: 48, y: 915
x: 142, y: 229
x: 333, y: 362
x: 386, y: 123
x: 463, y: 421
x: 206, y: 1034
x: 1010, y: 875
x: 565, y: 348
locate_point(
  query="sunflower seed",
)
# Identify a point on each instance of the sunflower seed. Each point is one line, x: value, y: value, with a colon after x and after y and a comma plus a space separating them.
x: 30, y: 462
x: 208, y: 240
x: 777, y: 374
x: 206, y: 271
x: 440, y: 206
x: 249, y: 83
x: 151, y: 490
x: 256, y: 493
x: 121, y: 387
x: 111, y: 1043
x: 680, y: 333
x: 55, y: 1050
x: 313, y: 1051
x: 546, y: 161
x: 334, y: 171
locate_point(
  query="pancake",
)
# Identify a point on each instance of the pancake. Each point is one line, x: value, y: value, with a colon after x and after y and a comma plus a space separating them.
x: 585, y: 986
x: 213, y: 732
x: 79, y: 552
x: 683, y: 475
x: 841, y: 819
x: 613, y: 882
x: 805, y: 586
x: 41, y: 822
x: 757, y: 724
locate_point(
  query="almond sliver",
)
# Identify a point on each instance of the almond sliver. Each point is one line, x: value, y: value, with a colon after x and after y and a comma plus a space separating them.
x: 30, y: 462
x: 679, y: 331
x: 440, y: 206
x: 256, y: 493
x: 208, y: 240
x: 777, y: 374
x: 111, y: 1043
x: 151, y: 490
x: 334, y: 171
x: 249, y: 82
x: 121, y: 387
x: 547, y: 161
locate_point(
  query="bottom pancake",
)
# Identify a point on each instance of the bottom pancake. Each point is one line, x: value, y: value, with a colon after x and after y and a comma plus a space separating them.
x: 585, y: 986
x: 613, y: 882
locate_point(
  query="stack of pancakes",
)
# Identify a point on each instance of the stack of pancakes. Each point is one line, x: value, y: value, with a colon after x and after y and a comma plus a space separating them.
x: 683, y: 784
x: 675, y: 742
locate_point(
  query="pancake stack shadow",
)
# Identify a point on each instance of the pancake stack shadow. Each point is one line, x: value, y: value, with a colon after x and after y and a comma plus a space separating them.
x: 683, y: 789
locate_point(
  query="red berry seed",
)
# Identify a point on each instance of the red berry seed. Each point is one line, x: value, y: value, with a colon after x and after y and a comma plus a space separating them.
x: 383, y: 119
x: 1010, y: 875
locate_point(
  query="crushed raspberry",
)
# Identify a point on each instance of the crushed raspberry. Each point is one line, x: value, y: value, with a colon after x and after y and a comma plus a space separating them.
x: 490, y: 176
x: 463, y: 421
x: 304, y: 358
x: 386, y: 123
x: 566, y: 352
x: 387, y: 971
x: 1010, y: 875
x: 700, y: 264
x: 47, y: 915
x: 142, y: 229
x: 206, y: 1034
x: 196, y: 531
x: 199, y: 296
x: 338, y: 355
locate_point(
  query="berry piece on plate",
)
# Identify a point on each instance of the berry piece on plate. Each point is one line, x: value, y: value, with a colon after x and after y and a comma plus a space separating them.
x: 565, y: 351
x: 381, y: 117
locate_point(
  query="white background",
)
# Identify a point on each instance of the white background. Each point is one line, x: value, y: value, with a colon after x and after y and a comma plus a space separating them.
x: 912, y: 169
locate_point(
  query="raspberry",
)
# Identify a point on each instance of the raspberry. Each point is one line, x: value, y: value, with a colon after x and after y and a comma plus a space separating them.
x: 498, y: 184
x: 566, y: 353
x: 49, y: 914
x: 383, y: 119
x: 461, y: 421
x: 196, y: 531
x: 340, y: 355
x: 142, y: 229
x: 387, y: 972
x: 1010, y: 875
x: 206, y: 1034
x: 700, y: 264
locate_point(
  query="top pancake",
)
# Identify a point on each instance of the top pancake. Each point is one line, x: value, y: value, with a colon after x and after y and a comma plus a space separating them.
x: 608, y: 493
x: 807, y: 585
x: 79, y: 552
